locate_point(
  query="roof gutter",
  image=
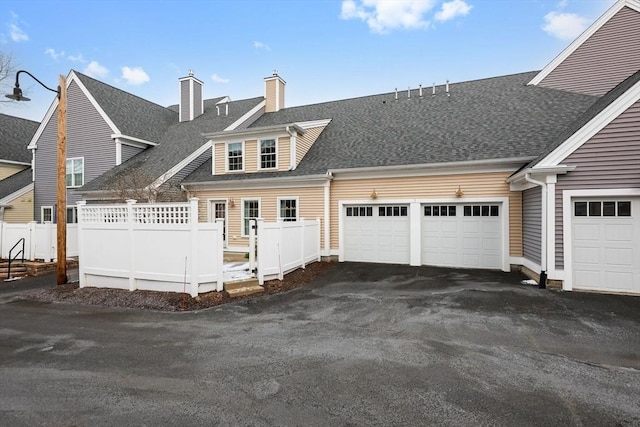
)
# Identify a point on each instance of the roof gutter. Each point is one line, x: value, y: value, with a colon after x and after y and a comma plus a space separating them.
x: 309, y: 180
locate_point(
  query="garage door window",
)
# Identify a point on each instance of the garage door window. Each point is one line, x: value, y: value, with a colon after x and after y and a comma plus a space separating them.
x: 481, y: 210
x: 360, y: 211
x: 444, y: 210
x: 602, y: 208
x: 392, y: 211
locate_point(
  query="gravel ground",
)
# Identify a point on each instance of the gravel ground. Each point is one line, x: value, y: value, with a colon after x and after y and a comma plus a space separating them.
x: 168, y: 301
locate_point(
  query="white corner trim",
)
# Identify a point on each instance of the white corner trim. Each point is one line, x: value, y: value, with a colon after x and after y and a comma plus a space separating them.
x: 567, y: 235
x: 590, y: 129
x: 633, y: 4
x: 22, y: 191
x: 246, y: 116
x: 177, y: 168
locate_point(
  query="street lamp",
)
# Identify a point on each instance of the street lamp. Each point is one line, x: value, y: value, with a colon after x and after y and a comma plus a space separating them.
x: 61, y: 191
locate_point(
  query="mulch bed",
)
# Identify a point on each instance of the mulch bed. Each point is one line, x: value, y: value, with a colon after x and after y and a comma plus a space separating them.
x: 168, y: 301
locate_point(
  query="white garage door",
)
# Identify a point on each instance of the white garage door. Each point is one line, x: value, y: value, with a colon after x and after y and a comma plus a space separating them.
x: 376, y: 233
x: 462, y: 235
x: 606, y: 244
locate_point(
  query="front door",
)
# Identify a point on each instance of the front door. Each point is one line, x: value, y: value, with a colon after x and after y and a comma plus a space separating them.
x: 219, y: 211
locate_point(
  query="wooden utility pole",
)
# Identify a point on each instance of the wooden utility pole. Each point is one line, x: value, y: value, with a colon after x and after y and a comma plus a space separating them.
x: 61, y: 212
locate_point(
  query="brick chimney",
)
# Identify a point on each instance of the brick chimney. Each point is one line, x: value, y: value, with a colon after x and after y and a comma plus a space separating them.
x: 191, y: 102
x: 274, y: 93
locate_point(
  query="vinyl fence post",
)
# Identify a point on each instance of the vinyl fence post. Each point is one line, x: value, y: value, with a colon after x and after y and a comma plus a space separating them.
x: 253, y: 229
x: 132, y: 261
x: 302, y: 222
x: 318, y: 247
x: 220, y: 254
x: 193, y: 222
x: 81, y: 277
x: 32, y: 241
x: 48, y: 242
x: 260, y: 246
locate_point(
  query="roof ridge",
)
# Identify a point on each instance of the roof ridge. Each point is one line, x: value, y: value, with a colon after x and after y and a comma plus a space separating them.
x: 392, y: 92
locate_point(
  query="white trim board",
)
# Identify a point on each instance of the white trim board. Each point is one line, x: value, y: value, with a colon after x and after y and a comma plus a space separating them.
x: 12, y: 196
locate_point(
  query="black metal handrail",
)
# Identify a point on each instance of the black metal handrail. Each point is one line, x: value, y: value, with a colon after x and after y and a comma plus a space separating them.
x: 12, y: 258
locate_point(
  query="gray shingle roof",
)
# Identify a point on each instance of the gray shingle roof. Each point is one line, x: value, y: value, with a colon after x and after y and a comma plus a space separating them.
x: 134, y: 116
x: 15, y: 182
x: 179, y: 141
x: 589, y: 114
x: 493, y: 118
x: 15, y: 135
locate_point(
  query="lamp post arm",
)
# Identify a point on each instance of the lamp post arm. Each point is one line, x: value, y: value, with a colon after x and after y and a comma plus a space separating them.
x: 36, y: 79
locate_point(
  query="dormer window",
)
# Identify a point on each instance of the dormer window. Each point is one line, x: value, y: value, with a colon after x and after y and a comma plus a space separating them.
x: 235, y: 160
x: 268, y: 154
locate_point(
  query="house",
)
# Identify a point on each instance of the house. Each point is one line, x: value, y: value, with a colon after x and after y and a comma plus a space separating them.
x: 16, y: 183
x: 537, y: 170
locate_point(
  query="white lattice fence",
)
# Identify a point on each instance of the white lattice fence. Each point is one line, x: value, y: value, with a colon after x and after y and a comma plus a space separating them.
x: 159, y: 247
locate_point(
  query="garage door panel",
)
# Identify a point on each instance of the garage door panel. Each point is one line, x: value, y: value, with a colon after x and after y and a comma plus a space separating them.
x: 468, y: 236
x: 372, y: 236
x: 606, y: 249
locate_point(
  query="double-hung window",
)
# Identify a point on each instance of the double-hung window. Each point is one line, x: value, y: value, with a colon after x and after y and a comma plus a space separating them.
x: 75, y: 172
x: 288, y: 209
x: 268, y: 154
x: 235, y: 161
x: 250, y: 210
x: 46, y: 214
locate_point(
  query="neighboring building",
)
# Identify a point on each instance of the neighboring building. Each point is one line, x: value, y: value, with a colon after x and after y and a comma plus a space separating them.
x: 539, y: 169
x: 16, y: 183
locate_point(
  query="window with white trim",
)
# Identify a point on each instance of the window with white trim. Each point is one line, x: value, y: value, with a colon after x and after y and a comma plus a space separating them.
x: 250, y: 210
x: 288, y: 209
x: 268, y: 154
x: 235, y: 160
x: 75, y: 172
x: 46, y: 214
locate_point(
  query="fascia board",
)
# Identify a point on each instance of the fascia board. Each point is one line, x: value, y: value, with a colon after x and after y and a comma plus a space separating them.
x: 633, y: 4
x: 126, y: 138
x: 595, y: 125
x: 449, y: 168
x: 226, y: 135
x: 13, y: 162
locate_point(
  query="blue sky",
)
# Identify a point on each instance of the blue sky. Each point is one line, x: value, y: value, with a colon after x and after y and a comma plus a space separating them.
x: 323, y: 49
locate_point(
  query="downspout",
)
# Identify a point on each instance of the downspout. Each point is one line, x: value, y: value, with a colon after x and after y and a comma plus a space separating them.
x: 542, y: 283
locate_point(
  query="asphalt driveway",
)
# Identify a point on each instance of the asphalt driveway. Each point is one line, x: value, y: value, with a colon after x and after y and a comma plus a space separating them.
x: 363, y: 345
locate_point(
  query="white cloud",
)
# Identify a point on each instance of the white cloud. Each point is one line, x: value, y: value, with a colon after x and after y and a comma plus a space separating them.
x: 216, y: 78
x: 564, y: 26
x: 260, y: 45
x: 76, y: 58
x: 384, y: 15
x: 453, y: 9
x: 135, y: 75
x: 95, y: 70
x: 53, y: 54
x: 17, y: 34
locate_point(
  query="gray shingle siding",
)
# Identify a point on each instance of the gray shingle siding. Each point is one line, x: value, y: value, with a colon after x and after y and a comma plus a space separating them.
x: 608, y: 57
x: 532, y: 224
x: 185, y: 105
x: 611, y: 159
x: 88, y: 137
